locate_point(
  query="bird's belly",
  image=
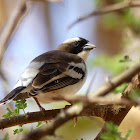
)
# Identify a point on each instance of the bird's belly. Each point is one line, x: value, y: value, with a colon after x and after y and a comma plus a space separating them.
x: 48, y: 97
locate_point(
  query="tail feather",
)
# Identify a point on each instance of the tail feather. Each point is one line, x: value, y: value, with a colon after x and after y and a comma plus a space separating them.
x: 12, y: 95
x: 22, y: 95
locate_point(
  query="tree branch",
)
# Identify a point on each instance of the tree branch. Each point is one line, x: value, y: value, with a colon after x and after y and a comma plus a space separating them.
x: 64, y: 116
x: 99, y: 100
x: 31, y: 117
x: 111, y: 84
x: 118, y: 118
x: 108, y: 9
x: 49, y: 129
x: 57, y: 1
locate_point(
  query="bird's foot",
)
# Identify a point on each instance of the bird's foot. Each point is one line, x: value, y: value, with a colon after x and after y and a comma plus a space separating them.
x: 40, y: 107
x: 76, y: 119
x: 67, y: 106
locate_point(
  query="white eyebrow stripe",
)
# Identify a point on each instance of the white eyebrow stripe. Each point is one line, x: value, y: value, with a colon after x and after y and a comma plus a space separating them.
x: 72, y: 40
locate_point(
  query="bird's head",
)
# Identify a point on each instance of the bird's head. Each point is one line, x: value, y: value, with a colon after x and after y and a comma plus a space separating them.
x: 78, y: 46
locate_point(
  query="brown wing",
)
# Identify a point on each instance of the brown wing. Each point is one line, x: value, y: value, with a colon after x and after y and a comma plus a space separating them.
x: 55, y: 76
x: 49, y: 68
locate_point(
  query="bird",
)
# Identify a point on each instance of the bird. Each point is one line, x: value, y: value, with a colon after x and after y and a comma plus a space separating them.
x: 53, y: 74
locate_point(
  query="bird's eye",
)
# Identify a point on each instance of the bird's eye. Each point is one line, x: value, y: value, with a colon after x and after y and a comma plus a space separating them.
x: 76, y: 43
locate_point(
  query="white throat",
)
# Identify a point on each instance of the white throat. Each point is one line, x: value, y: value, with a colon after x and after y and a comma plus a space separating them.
x: 84, y: 54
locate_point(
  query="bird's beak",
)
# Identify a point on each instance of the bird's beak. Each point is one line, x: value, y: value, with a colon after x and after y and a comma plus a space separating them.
x: 89, y: 46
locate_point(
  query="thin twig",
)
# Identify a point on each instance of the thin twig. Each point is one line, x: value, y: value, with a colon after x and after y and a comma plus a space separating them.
x: 5, y: 82
x: 108, y: 9
x: 19, y: 10
x: 126, y: 76
x: 56, y: 1
x: 11, y: 24
x: 100, y: 100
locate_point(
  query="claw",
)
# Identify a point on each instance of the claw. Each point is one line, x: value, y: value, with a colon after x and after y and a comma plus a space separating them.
x: 40, y: 107
x: 76, y: 119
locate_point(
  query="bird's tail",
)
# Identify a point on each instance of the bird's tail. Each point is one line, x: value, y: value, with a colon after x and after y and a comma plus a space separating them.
x: 11, y: 95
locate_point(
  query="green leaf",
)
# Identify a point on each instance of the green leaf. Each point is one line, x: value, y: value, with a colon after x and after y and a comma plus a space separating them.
x: 21, y: 104
x: 6, y: 137
x: 132, y: 21
x: 121, y: 88
x: 126, y: 59
x: 116, y: 1
x: 111, y: 20
x: 113, y: 133
x: 109, y: 63
x: 108, y: 136
x: 98, y: 3
x: 9, y: 111
x: 129, y: 18
x: 128, y: 134
x: 135, y: 94
x: 9, y: 114
x: 21, y: 129
x: 17, y: 111
x: 111, y: 127
x: 39, y: 124
x: 17, y: 131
